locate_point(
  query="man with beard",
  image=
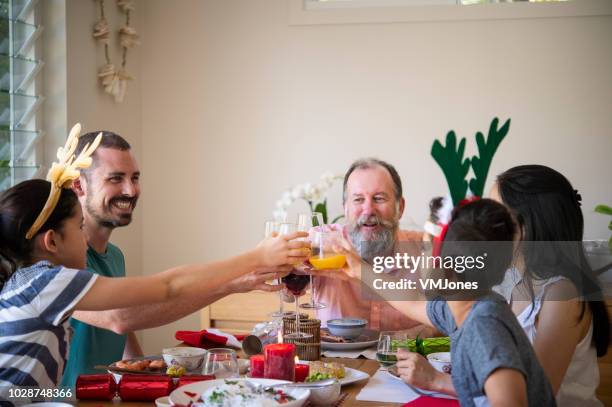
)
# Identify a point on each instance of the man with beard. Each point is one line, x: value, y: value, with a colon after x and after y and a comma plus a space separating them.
x: 373, y: 206
x: 108, y: 192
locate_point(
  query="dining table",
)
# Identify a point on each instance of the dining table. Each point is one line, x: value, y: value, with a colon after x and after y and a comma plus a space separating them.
x: 352, y: 390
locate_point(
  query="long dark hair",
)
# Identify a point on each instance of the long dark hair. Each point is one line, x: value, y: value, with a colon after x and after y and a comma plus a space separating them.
x: 547, y: 209
x: 19, y: 208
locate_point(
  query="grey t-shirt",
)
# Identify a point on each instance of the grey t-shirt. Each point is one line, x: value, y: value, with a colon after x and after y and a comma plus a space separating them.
x: 490, y: 338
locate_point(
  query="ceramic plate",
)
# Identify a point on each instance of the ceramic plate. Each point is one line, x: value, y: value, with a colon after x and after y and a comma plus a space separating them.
x: 369, y: 337
x: 189, y: 393
x: 145, y: 371
x: 350, y: 376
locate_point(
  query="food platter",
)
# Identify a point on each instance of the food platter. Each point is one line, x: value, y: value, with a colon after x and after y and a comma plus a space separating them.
x: 139, y: 365
x: 191, y: 393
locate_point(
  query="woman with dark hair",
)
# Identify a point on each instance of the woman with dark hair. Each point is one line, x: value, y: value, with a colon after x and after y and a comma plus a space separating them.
x: 551, y: 288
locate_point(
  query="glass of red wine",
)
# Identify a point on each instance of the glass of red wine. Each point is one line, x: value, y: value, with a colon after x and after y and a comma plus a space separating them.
x: 296, y: 283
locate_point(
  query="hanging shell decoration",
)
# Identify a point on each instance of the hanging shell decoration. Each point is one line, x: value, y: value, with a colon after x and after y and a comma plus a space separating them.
x: 113, y: 80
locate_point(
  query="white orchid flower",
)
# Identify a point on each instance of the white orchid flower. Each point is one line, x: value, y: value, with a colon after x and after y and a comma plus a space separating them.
x: 317, y: 193
x: 308, y: 192
x: 297, y: 191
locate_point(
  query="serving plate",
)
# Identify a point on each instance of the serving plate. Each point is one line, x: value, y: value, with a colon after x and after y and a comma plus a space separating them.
x: 190, y: 393
x: 350, y: 375
x: 369, y: 337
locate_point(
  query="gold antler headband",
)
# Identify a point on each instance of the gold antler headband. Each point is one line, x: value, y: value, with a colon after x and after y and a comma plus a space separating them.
x: 63, y: 172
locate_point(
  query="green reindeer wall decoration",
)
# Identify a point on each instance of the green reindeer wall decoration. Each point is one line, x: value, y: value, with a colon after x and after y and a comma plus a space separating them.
x: 455, y: 167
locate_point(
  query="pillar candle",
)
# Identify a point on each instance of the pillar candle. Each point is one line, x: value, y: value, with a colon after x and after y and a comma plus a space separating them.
x: 279, y: 361
x: 257, y: 366
x: 301, y: 372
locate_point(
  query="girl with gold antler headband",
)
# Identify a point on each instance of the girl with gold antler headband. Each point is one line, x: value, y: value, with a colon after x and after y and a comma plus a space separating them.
x: 43, y: 277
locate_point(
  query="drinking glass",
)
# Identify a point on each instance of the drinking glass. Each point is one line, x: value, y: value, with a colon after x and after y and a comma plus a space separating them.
x: 221, y: 362
x: 323, y: 255
x: 388, y: 343
x: 296, y: 282
x: 307, y: 221
x: 272, y: 228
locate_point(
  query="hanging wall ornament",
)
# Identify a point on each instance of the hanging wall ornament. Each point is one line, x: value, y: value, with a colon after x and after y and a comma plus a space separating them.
x: 113, y: 80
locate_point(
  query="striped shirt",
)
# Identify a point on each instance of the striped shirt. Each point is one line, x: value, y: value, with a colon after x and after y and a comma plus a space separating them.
x: 35, y: 305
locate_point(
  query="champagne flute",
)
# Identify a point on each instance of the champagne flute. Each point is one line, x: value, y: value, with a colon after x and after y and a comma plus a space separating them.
x: 272, y: 228
x: 306, y: 221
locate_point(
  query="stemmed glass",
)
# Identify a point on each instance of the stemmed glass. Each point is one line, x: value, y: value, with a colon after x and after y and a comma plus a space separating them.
x: 221, y: 363
x: 388, y: 343
x: 306, y: 221
x: 296, y: 282
x: 273, y: 229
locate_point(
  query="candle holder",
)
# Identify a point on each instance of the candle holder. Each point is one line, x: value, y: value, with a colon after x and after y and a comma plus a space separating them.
x: 307, y: 348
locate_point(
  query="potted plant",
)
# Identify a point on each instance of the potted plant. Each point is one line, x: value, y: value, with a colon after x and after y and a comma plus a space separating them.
x: 599, y: 252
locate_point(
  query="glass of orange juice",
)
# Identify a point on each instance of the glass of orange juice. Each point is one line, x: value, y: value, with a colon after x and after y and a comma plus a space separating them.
x: 323, y: 255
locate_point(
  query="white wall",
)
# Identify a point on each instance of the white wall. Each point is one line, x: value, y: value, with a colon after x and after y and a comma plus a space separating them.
x: 73, y: 94
x: 236, y: 106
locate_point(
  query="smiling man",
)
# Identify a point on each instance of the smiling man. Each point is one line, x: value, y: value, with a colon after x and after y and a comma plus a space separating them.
x: 373, y: 206
x: 108, y: 192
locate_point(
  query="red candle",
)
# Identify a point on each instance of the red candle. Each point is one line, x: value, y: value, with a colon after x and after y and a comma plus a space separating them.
x: 301, y: 372
x: 279, y: 361
x: 257, y: 366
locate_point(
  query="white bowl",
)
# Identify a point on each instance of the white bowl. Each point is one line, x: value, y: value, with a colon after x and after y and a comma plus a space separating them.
x: 346, y: 327
x: 441, y: 361
x: 325, y: 396
x: 189, y: 358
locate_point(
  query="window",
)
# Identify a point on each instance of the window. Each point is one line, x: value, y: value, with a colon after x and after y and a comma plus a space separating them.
x: 19, y: 101
x: 315, y: 12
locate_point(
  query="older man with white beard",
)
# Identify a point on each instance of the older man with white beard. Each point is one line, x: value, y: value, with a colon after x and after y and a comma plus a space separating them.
x: 373, y: 206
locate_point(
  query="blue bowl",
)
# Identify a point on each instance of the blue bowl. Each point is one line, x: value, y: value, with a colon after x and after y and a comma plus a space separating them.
x: 349, y: 328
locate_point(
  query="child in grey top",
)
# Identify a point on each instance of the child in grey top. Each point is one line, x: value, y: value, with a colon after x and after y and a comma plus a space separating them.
x: 492, y: 360
x: 490, y: 338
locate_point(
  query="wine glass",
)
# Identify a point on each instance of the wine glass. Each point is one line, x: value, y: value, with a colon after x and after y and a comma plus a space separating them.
x: 307, y: 221
x: 221, y: 363
x: 323, y: 255
x: 296, y: 282
x: 388, y: 343
x: 272, y: 228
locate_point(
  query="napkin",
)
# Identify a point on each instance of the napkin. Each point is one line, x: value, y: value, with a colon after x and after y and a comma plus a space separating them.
x: 383, y: 387
x: 427, y: 401
x: 209, y: 338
